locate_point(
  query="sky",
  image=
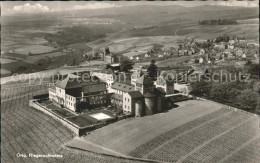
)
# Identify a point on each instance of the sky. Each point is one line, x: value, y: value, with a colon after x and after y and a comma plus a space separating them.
x: 9, y: 8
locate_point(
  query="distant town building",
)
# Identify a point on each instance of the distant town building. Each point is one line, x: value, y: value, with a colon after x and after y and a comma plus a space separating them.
x: 201, y: 60
x: 206, y: 57
x: 231, y: 42
x: 239, y: 53
x: 218, y: 56
x: 146, y: 55
x: 108, y: 57
x: 230, y: 47
x: 228, y: 52
x: 244, y: 56
x: 202, y: 52
x: 181, y: 52
x: 219, y: 46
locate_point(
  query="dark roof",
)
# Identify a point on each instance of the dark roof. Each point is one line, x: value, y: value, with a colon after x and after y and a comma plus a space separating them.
x: 135, y: 94
x: 74, y: 92
x: 144, y: 79
x: 82, y: 73
x: 159, y: 91
x: 74, y: 83
x: 117, y: 96
x: 107, y: 71
x: 122, y: 87
x: 149, y: 94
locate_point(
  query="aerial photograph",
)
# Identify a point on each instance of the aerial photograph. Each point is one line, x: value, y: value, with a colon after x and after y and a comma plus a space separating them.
x: 130, y: 81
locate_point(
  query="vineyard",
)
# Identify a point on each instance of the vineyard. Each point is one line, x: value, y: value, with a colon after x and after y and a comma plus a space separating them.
x: 196, y: 131
x: 223, y: 135
x: 218, y: 135
x: 26, y: 130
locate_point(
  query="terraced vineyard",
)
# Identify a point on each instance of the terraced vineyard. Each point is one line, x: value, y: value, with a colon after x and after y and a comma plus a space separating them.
x: 223, y: 135
x: 25, y: 130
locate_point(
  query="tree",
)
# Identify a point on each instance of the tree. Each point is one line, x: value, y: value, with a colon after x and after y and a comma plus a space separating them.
x: 107, y: 51
x: 74, y: 62
x: 96, y: 55
x: 125, y: 64
x: 108, y: 66
x: 248, y: 99
x: 152, y: 70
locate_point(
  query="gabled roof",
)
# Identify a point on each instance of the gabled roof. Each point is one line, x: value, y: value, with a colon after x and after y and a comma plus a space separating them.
x: 149, y: 94
x: 122, y: 87
x: 69, y: 82
x: 73, y: 92
x: 135, y: 94
x: 159, y: 91
x: 117, y: 96
x: 107, y: 71
x: 63, y: 83
x: 144, y: 79
x: 202, y: 70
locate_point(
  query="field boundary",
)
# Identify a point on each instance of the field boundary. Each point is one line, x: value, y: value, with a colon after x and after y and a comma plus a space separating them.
x: 127, y: 158
x: 79, y: 131
x: 228, y: 107
x: 74, y: 128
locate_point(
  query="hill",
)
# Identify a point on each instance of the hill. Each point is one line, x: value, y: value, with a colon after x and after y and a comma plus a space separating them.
x: 183, y: 134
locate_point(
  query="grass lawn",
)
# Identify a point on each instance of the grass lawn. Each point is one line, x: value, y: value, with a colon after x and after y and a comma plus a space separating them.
x: 63, y: 113
x: 53, y: 107
x: 80, y: 121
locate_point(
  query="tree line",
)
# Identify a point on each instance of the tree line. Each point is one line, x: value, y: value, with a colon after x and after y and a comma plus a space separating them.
x: 218, y: 22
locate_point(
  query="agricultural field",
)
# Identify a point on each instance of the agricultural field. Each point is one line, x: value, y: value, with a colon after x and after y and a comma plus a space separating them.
x: 33, y: 50
x: 26, y: 130
x: 119, y: 43
x: 173, y: 61
x: 5, y: 61
x: 193, y: 131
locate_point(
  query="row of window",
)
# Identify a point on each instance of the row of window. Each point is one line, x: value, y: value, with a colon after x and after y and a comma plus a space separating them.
x: 116, y: 101
x: 119, y: 92
x: 127, y: 107
x: 97, y: 102
x: 127, y: 99
x: 70, y: 98
x: 69, y: 103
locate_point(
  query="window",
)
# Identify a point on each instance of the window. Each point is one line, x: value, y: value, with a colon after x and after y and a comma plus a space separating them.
x: 128, y: 100
x: 125, y: 99
x: 125, y: 106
